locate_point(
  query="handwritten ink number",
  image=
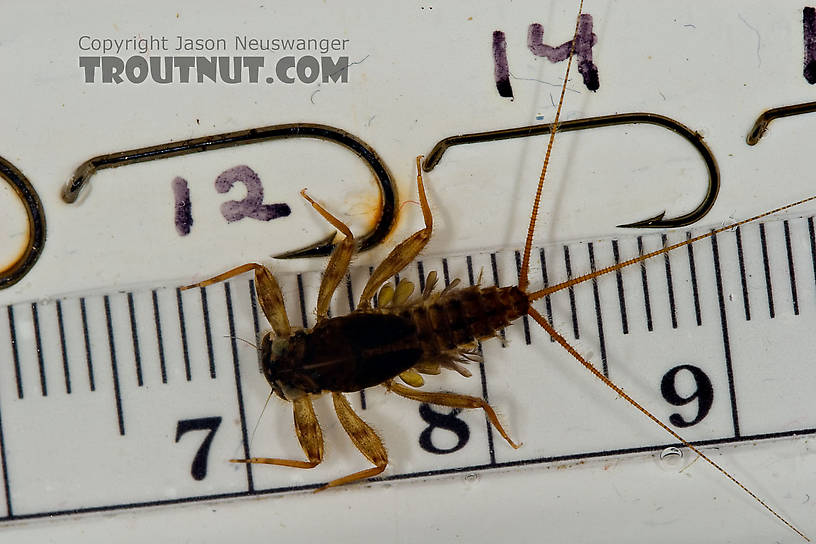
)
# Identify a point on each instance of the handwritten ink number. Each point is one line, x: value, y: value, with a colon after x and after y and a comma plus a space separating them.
x: 449, y: 422
x: 252, y: 205
x: 584, y: 40
x: 199, y: 467
x: 703, y: 394
x: 809, y: 23
x: 183, y: 207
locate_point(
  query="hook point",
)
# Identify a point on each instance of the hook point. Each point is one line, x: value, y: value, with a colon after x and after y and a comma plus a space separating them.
x: 318, y: 249
x: 655, y: 222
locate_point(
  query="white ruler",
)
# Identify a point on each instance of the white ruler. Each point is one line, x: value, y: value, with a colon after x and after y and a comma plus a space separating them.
x: 134, y: 399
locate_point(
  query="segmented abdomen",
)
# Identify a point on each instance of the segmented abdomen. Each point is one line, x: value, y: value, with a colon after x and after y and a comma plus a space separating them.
x: 463, y: 315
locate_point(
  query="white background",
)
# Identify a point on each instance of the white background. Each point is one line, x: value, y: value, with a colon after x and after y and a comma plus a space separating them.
x: 423, y: 72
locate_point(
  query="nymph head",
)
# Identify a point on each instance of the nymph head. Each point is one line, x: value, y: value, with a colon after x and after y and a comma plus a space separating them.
x: 274, y: 351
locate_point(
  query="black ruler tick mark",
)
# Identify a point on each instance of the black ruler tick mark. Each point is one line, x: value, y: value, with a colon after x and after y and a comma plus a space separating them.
x: 495, y: 267
x: 491, y: 450
x: 571, y: 292
x: 159, y: 340
x: 745, y: 301
x: 598, y: 316
x: 621, y: 298
x: 35, y: 317
x: 812, y: 247
x: 767, y: 266
x: 669, y: 284
x: 253, y: 301
x: 14, y: 354
x: 63, y: 348
x: 646, y: 304
x: 86, y: 336
x: 694, y: 291
x: 137, y: 356
x: 183, y: 331
x: 114, y: 369
x: 791, y: 272
x: 726, y: 341
x: 302, y: 301
x: 545, y: 279
x: 421, y: 274
x: 4, y: 464
x: 525, y: 320
x: 207, y: 331
x: 238, y: 390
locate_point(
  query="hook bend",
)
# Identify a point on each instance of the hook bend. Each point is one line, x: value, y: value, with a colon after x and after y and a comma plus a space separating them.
x: 35, y: 215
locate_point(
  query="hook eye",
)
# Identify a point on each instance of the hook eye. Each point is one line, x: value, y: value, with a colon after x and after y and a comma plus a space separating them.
x: 387, y: 213
x: 659, y: 220
x: 765, y: 118
x: 35, y: 214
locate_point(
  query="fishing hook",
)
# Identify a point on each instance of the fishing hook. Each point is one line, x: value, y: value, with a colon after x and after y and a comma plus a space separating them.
x: 658, y: 221
x: 765, y: 118
x: 387, y: 212
x: 35, y: 215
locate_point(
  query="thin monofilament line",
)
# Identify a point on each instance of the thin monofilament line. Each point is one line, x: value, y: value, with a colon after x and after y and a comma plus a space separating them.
x: 525, y: 263
x: 577, y: 356
x: 535, y: 295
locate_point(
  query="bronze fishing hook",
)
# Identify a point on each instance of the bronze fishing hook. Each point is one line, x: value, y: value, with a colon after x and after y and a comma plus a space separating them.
x: 658, y: 221
x: 387, y: 212
x: 35, y: 215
